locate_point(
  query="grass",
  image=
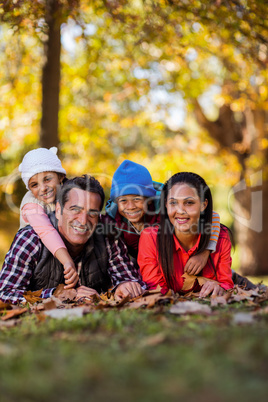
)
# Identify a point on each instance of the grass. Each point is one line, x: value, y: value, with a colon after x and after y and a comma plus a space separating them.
x: 129, y: 355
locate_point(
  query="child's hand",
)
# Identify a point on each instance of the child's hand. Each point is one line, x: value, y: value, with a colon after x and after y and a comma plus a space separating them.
x: 70, y: 275
x: 196, y: 263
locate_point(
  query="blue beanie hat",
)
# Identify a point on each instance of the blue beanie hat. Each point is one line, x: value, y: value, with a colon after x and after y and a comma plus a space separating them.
x: 132, y: 178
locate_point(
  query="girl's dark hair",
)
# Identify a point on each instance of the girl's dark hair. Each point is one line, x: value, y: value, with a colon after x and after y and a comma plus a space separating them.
x: 165, y: 240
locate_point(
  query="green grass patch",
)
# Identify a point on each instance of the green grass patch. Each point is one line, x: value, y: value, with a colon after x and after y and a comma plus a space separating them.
x: 145, y: 355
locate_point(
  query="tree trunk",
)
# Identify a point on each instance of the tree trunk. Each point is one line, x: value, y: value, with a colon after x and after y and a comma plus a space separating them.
x: 51, y: 77
x: 250, y: 221
x: 249, y: 210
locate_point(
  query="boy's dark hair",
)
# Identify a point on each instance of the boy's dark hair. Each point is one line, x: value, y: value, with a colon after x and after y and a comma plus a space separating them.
x: 86, y: 183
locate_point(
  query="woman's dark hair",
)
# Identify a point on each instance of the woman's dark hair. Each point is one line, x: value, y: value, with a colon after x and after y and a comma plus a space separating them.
x: 85, y: 182
x: 165, y: 240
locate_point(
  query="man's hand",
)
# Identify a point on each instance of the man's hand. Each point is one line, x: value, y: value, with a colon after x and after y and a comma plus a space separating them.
x: 213, y: 287
x: 133, y: 289
x: 70, y: 275
x: 85, y: 292
x: 196, y: 263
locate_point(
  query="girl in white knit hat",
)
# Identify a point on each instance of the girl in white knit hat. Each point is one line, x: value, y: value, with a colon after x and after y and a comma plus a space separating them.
x: 42, y: 173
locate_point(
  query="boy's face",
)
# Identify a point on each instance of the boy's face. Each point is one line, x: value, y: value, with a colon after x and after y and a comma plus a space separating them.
x: 132, y: 207
x: 44, y: 186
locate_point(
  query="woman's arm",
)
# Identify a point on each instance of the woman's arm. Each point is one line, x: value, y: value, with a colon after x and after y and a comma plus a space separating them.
x: 148, y: 260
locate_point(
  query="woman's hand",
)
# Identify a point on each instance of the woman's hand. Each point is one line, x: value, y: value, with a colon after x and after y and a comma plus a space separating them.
x: 211, y: 287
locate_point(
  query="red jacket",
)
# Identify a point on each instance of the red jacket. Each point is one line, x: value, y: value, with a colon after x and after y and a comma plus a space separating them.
x: 152, y: 273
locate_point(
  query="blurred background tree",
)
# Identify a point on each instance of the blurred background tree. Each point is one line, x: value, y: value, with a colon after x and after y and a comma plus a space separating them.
x: 175, y: 85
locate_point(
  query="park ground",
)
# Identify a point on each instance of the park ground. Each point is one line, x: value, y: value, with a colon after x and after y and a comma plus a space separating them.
x: 137, y: 355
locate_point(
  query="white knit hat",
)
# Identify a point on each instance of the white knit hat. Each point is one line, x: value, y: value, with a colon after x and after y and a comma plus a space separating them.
x: 40, y: 160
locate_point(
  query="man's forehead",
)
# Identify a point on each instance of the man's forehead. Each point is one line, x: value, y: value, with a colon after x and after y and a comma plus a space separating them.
x: 83, y: 198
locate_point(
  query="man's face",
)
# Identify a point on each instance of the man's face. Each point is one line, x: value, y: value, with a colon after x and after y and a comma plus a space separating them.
x: 79, y: 217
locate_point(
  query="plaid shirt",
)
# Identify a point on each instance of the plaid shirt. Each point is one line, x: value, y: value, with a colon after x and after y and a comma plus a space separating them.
x: 23, y: 256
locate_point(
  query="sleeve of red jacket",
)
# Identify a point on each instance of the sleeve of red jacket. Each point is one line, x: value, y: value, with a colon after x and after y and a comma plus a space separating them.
x: 148, y: 260
x: 223, y: 268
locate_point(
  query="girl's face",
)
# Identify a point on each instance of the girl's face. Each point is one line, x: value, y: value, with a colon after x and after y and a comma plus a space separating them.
x: 44, y: 186
x: 132, y: 207
x: 183, y: 208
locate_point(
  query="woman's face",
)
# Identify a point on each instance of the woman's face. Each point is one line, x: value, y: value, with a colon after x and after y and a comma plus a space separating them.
x: 184, y: 207
x: 44, y: 186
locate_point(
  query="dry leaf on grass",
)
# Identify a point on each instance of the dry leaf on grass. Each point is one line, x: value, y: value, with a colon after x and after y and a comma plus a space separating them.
x: 5, y: 306
x: 189, y: 281
x: 217, y: 300
x: 263, y: 296
x: 64, y: 294
x: 151, y: 299
x: 190, y: 307
x: 14, y: 313
x: 33, y: 297
x: 112, y: 303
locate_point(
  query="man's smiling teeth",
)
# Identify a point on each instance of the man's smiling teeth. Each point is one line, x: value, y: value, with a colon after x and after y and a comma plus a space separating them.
x: 80, y: 229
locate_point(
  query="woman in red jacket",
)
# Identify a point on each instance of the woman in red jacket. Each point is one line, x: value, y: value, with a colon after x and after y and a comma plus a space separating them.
x: 184, y: 230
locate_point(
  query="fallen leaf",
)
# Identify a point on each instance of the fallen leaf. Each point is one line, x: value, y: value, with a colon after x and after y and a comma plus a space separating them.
x: 14, y: 313
x: 49, y: 304
x: 190, y: 307
x: 64, y: 294
x: 151, y: 299
x: 263, y: 296
x: 33, y: 297
x: 189, y: 281
x: 112, y: 303
x: 217, y: 300
x: 5, y: 306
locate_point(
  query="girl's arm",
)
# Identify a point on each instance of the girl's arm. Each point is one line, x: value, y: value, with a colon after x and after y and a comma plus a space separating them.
x: 196, y: 263
x: 35, y: 215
